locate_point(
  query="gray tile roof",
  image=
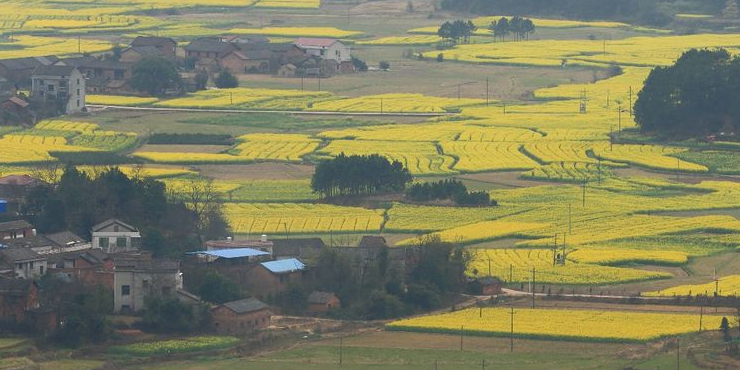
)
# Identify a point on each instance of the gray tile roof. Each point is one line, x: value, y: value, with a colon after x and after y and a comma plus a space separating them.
x: 35, y: 241
x: 152, y: 41
x: 145, y: 50
x: 15, y: 225
x: 27, y: 63
x: 15, y: 254
x: 15, y: 286
x: 210, y: 46
x: 43, y: 70
x: 65, y: 238
x: 246, y: 305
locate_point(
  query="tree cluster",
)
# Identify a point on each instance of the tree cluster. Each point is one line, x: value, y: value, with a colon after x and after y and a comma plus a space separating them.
x: 359, y: 175
x: 457, y: 30
x: 171, y: 316
x: 78, y: 201
x: 519, y: 27
x: 448, y: 190
x: 696, y: 96
x: 378, y: 289
x: 225, y: 80
x: 83, y: 311
x: 155, y: 75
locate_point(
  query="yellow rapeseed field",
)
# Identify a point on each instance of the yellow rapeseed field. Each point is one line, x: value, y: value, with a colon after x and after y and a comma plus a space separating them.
x: 724, y: 286
x: 555, y: 324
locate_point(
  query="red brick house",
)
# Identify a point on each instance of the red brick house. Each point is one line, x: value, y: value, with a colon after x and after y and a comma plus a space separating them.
x: 18, y: 297
x: 14, y: 112
x: 90, y: 267
x: 15, y: 230
x: 319, y: 303
x: 268, y: 278
x: 241, y: 317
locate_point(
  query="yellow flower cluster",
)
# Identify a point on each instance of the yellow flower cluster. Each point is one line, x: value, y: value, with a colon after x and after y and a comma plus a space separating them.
x: 481, y: 231
x: 295, y: 31
x: 282, y: 218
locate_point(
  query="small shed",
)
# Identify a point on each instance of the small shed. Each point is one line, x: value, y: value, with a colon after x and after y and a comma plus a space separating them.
x: 288, y: 70
x: 319, y: 303
x: 488, y: 285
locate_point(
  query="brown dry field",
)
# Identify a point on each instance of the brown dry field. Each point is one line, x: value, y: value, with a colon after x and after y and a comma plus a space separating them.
x: 258, y: 171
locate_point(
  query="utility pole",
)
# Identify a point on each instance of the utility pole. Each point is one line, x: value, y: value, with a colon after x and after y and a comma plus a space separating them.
x: 341, y: 350
x: 678, y: 354
x: 701, y: 318
x: 381, y: 106
x: 511, y: 273
x: 607, y: 98
x: 319, y: 75
x: 231, y: 98
x: 504, y: 107
x: 599, y: 169
x: 462, y: 329
x: 620, y: 117
x: 630, y: 101
x: 302, y: 77
x: 487, y: 99
x: 584, y: 194
x: 489, y: 266
x: 570, y: 218
x: 611, y: 139
x: 534, y: 284
x: 678, y: 169
x: 555, y: 250
x: 511, y: 337
x: 79, y: 44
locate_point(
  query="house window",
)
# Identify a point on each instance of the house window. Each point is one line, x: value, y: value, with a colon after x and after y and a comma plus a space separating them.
x: 166, y: 291
x: 41, y: 270
x: 50, y: 87
x: 145, y: 283
x: 78, y: 103
x: 78, y: 82
x: 30, y: 265
x: 78, y: 93
x: 125, y: 290
x: 121, y: 242
x: 62, y: 83
x: 104, y: 242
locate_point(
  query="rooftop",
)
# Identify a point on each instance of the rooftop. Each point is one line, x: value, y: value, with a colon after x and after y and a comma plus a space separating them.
x: 16, y: 254
x: 245, y: 305
x: 65, y: 238
x: 15, y: 225
x: 27, y: 63
x: 145, y: 50
x: 284, y: 266
x: 61, y: 71
x: 210, y: 46
x: 233, y: 253
x: 314, y: 42
x: 151, y: 41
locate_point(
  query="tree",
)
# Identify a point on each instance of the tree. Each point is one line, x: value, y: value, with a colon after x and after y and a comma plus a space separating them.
x: 202, y: 198
x: 154, y: 75
x: 201, y: 80
x: 115, y: 54
x: 384, y: 65
x: 173, y: 316
x: 359, y: 64
x: 440, y: 57
x: 225, y: 80
x: 216, y: 288
x: 692, y: 97
x: 359, y: 175
x: 724, y: 328
x: 501, y: 29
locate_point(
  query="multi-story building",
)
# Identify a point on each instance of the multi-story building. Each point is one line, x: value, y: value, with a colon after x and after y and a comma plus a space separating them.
x: 62, y: 84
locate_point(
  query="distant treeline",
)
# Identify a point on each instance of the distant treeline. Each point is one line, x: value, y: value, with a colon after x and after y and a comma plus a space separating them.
x: 359, y: 175
x: 448, y: 189
x: 640, y: 11
x: 191, y: 139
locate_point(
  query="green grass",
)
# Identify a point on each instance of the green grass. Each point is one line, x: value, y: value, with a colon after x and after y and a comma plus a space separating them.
x: 724, y: 162
x: 291, y: 191
x: 185, y: 345
x: 71, y: 365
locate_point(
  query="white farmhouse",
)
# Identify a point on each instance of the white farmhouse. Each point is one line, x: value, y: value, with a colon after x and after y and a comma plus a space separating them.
x: 63, y: 84
x: 114, y: 236
x: 326, y: 49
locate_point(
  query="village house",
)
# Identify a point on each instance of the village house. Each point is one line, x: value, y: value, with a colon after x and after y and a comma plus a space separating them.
x: 17, y: 71
x: 207, y: 52
x: 268, y: 278
x: 99, y: 74
x: 486, y: 286
x: 241, y: 317
x: 17, y: 299
x: 91, y: 267
x: 137, y: 279
x: 15, y: 229
x: 263, y: 244
x: 115, y: 236
x: 60, y: 242
x: 62, y: 84
x: 167, y: 47
x: 287, y: 70
x: 24, y: 262
x: 239, y: 62
x: 135, y: 54
x: 319, y: 303
x: 14, y: 112
x: 327, y: 49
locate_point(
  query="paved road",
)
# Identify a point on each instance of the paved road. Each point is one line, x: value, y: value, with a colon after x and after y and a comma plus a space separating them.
x: 297, y: 112
x: 517, y: 293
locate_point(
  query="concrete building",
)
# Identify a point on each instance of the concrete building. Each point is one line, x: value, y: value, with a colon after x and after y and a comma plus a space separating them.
x: 115, y: 236
x: 62, y: 84
x: 136, y: 280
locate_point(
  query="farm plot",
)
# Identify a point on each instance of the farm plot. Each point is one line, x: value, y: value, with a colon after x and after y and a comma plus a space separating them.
x: 421, y: 158
x: 725, y: 286
x: 396, y: 103
x: 288, y: 4
x: 576, y: 325
x: 22, y: 149
x: 33, y: 46
x: 407, y: 218
x: 132, y: 101
x: 650, y: 156
x: 290, y: 218
x: 236, y: 98
x: 482, y: 231
x: 479, y: 157
x: 569, y: 172
x: 295, y: 31
x: 282, y: 147
x: 519, y: 263
x: 616, y: 257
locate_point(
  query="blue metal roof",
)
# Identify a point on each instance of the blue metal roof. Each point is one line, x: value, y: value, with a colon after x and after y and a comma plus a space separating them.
x: 233, y: 253
x: 284, y: 266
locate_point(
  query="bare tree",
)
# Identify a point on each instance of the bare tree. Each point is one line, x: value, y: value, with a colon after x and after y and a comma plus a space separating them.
x: 49, y: 172
x: 200, y: 196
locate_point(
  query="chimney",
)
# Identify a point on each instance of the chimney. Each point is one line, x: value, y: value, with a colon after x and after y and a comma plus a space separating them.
x: 263, y: 238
